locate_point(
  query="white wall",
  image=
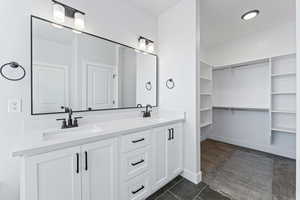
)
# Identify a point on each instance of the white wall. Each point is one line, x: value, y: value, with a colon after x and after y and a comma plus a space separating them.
x: 272, y: 42
x: 178, y: 37
x: 251, y: 129
x: 298, y: 99
x: 114, y: 19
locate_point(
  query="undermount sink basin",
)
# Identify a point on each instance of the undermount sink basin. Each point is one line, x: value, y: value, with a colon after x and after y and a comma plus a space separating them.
x: 61, y: 133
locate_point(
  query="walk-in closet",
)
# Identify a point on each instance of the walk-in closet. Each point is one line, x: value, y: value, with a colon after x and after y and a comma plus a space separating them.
x: 248, y: 98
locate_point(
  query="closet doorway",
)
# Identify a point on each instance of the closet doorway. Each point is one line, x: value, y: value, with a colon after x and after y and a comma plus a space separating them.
x: 248, y: 98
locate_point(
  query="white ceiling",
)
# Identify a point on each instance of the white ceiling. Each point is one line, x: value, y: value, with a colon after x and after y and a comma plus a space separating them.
x: 221, y: 19
x: 154, y: 7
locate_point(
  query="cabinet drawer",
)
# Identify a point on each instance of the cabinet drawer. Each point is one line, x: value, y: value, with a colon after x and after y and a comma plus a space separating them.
x: 137, y: 188
x: 134, y: 141
x: 136, y: 162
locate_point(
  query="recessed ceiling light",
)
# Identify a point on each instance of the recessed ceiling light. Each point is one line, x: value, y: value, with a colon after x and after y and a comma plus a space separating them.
x: 250, y: 15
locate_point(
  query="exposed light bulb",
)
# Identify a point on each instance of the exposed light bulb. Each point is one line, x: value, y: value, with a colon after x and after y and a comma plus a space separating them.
x: 142, y: 43
x: 79, y: 20
x: 58, y: 13
x: 150, y: 47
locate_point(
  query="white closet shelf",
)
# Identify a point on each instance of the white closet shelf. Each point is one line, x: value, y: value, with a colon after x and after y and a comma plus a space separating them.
x: 284, y: 111
x: 284, y: 74
x: 205, y: 78
x: 283, y: 93
x: 241, y: 108
x: 285, y: 130
x: 205, y: 93
x: 205, y: 109
x: 205, y: 124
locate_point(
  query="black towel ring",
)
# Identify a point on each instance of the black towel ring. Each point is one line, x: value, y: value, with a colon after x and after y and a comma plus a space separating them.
x: 170, y: 84
x: 13, y: 65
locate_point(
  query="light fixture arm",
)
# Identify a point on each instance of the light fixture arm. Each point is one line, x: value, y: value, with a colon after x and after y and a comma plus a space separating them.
x: 70, y: 11
x: 146, y: 39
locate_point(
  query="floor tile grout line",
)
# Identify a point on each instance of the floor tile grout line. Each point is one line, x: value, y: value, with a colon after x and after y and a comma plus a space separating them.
x: 176, y: 184
x: 167, y: 190
x: 200, y: 192
x: 174, y: 195
x: 193, y: 198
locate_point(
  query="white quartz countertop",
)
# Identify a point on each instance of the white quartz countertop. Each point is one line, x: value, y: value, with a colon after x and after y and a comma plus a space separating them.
x: 88, y: 134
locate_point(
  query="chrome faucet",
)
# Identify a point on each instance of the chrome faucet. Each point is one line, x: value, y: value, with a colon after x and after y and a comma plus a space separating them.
x: 70, y: 123
x: 148, y: 111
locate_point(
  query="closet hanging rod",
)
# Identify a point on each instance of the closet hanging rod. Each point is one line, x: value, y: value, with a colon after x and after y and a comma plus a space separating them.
x: 266, y: 60
x: 241, y: 108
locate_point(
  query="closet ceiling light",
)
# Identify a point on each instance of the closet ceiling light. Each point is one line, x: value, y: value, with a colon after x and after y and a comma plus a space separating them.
x: 79, y: 20
x: 58, y: 13
x: 250, y: 15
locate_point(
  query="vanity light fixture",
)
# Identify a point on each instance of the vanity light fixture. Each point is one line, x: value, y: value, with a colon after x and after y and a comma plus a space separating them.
x: 250, y: 15
x: 146, y: 44
x: 142, y: 43
x: 60, y: 11
x: 150, y: 46
x: 79, y: 20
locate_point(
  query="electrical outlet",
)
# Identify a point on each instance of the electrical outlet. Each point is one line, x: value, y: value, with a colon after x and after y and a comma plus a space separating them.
x: 14, y: 105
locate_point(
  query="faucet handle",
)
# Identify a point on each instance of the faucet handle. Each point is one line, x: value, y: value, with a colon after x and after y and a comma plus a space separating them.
x: 76, y: 121
x: 64, y: 123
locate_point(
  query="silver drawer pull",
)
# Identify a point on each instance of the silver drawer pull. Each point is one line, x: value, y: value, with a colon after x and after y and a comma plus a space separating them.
x: 141, y: 188
x: 137, y: 163
x: 136, y: 141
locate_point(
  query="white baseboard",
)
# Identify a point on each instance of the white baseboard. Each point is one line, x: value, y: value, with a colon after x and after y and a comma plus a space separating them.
x: 267, y: 149
x: 191, y: 176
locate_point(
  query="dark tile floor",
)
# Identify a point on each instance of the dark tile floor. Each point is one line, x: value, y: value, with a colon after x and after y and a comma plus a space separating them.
x: 182, y: 189
x: 248, y: 174
x: 237, y: 174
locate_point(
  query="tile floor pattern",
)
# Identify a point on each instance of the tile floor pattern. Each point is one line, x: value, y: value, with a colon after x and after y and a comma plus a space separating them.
x: 182, y: 189
x: 243, y: 174
x: 237, y: 174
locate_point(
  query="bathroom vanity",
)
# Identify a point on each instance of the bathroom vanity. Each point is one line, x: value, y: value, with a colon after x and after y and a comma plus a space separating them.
x: 122, y: 158
x: 126, y: 159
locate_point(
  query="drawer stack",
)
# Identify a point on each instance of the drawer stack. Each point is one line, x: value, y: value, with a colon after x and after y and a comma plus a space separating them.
x: 135, y: 165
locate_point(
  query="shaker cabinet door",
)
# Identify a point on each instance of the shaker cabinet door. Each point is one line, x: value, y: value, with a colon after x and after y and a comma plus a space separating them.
x: 54, y: 175
x: 160, y: 158
x: 175, y: 151
x: 99, y: 170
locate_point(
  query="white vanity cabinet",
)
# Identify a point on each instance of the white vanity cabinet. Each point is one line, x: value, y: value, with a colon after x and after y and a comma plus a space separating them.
x: 129, y: 166
x: 175, y: 151
x: 167, y: 154
x: 87, y: 171
x: 152, y: 159
x: 55, y: 175
x: 99, y: 170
